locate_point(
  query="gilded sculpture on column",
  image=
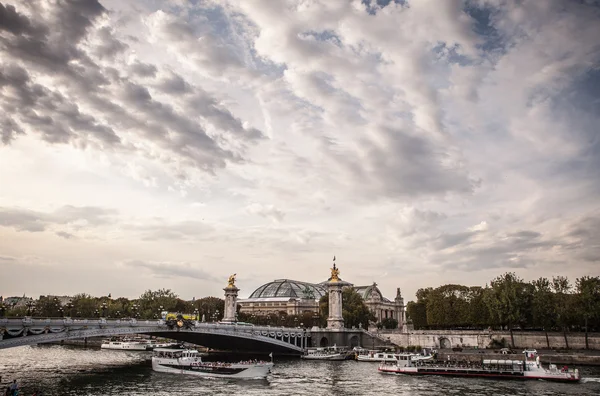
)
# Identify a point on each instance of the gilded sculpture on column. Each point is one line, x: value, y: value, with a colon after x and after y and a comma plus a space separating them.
x: 231, y: 281
x: 335, y: 273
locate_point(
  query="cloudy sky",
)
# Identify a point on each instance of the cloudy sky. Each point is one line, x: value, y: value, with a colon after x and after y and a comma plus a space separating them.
x: 154, y: 143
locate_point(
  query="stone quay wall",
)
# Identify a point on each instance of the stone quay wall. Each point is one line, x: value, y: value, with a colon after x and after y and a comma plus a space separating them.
x: 483, y: 339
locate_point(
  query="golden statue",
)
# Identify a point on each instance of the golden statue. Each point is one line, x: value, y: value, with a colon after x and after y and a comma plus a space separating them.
x: 335, y: 274
x: 231, y: 281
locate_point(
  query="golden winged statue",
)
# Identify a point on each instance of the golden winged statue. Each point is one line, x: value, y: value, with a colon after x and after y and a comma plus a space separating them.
x: 231, y: 281
x: 335, y: 274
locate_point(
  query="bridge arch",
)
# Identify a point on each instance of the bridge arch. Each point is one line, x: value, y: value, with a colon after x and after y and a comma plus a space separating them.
x: 324, y: 342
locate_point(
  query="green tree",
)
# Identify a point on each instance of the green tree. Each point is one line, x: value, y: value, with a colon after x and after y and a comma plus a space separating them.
x: 210, y: 308
x: 150, y: 302
x: 478, y: 314
x: 84, y: 305
x: 588, y: 299
x: 417, y: 311
x: 543, y: 306
x: 354, y: 310
x: 506, y: 301
x: 562, y: 289
x: 389, y: 323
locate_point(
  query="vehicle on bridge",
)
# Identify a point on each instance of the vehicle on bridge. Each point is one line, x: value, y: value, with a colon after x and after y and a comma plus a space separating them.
x: 188, y: 361
x: 176, y: 315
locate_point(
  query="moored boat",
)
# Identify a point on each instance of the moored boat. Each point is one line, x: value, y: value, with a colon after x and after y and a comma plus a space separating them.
x: 126, y: 344
x: 189, y: 361
x: 530, y: 368
x: 326, y: 353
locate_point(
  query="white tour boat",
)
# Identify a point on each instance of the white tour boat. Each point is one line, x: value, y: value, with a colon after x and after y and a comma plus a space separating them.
x: 325, y: 353
x: 126, y: 344
x: 188, y: 361
x: 530, y: 369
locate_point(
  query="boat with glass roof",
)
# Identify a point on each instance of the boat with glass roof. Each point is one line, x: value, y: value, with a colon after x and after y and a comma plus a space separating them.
x: 189, y: 361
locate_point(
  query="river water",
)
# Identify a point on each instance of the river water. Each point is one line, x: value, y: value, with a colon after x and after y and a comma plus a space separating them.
x: 61, y: 370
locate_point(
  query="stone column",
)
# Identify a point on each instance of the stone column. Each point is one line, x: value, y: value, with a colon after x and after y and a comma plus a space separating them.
x: 231, y: 293
x: 335, y: 319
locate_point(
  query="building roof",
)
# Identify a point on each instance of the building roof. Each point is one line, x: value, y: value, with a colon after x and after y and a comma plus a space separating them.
x: 289, y: 289
x: 366, y: 291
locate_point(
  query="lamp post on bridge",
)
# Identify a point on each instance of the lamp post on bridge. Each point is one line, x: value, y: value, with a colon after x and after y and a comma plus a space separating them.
x: 69, y: 307
x: 2, y: 310
x: 61, y: 312
x: 30, y: 307
x: 97, y: 313
x: 134, y: 308
x: 57, y: 305
x: 196, y: 314
x: 160, y: 311
x: 103, y: 308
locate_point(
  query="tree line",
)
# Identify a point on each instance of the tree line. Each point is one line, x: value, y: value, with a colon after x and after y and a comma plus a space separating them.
x: 509, y: 302
x: 148, y: 306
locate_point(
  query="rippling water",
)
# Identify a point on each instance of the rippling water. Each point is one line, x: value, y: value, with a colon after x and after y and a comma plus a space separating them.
x: 62, y: 370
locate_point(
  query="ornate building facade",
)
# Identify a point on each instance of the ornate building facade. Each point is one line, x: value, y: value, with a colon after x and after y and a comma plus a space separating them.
x: 297, y: 298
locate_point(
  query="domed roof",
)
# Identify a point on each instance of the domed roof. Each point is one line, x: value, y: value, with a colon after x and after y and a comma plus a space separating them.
x: 288, y: 288
x: 369, y: 292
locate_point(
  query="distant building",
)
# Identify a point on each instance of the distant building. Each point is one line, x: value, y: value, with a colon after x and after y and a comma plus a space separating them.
x: 16, y: 302
x: 297, y: 298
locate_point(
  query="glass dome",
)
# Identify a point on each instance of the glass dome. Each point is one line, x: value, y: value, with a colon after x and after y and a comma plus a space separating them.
x: 290, y: 289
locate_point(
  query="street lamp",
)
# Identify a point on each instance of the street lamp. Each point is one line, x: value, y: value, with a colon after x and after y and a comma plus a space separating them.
x: 69, y: 307
x: 56, y: 304
x: 103, y: 307
x: 134, y: 308
x: 2, y: 310
x: 30, y: 307
x: 97, y: 313
x: 196, y: 314
x: 60, y: 312
x: 160, y: 310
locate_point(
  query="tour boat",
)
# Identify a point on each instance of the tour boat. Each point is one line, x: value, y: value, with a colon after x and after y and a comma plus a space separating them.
x: 126, y: 344
x: 155, y: 344
x: 530, y: 368
x: 326, y: 353
x: 378, y: 356
x: 188, y: 361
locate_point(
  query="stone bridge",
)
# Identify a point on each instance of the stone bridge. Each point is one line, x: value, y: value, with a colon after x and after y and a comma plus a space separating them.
x: 224, y: 336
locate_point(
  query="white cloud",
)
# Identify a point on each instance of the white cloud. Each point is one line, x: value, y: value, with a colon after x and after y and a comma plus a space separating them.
x: 411, y: 138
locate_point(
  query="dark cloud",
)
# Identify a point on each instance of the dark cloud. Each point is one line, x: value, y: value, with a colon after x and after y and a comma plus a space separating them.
x: 33, y: 221
x: 398, y: 163
x: 110, y: 46
x: 17, y: 24
x: 143, y: 69
x: 171, y: 270
x: 50, y: 43
x: 449, y: 240
x: 525, y: 235
x: 51, y: 114
x: 65, y: 235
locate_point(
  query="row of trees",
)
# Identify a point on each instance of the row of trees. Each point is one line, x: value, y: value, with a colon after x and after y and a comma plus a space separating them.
x: 148, y: 306
x: 510, y: 302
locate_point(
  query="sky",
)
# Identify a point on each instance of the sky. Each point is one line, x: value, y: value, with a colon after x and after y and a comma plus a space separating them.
x: 169, y: 144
